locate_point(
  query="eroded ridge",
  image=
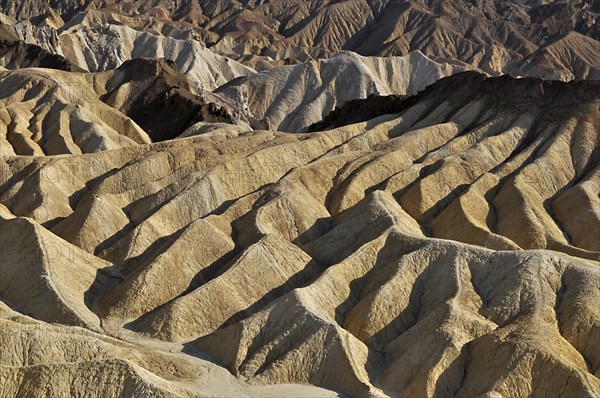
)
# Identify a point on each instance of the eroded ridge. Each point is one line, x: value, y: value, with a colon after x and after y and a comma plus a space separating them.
x: 448, y: 249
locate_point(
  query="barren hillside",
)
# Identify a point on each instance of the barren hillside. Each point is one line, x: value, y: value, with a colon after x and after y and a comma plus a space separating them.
x: 520, y: 37
x: 299, y: 199
x: 291, y: 98
x: 448, y: 248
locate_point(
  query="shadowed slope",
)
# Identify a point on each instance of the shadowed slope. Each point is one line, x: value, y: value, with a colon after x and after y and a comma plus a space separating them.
x: 290, y: 98
x: 51, y: 112
x: 444, y: 249
x: 162, y: 100
x: 557, y: 40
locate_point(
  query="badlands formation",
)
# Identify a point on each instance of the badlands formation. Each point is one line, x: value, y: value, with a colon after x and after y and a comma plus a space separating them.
x: 218, y: 199
x: 291, y: 98
x: 550, y: 39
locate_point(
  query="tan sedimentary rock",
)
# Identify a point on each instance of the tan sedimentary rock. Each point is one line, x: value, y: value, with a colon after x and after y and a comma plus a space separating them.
x: 51, y: 112
x: 553, y: 40
x: 448, y: 248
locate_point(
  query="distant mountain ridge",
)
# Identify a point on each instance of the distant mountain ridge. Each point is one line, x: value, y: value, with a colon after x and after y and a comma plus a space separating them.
x: 517, y: 37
